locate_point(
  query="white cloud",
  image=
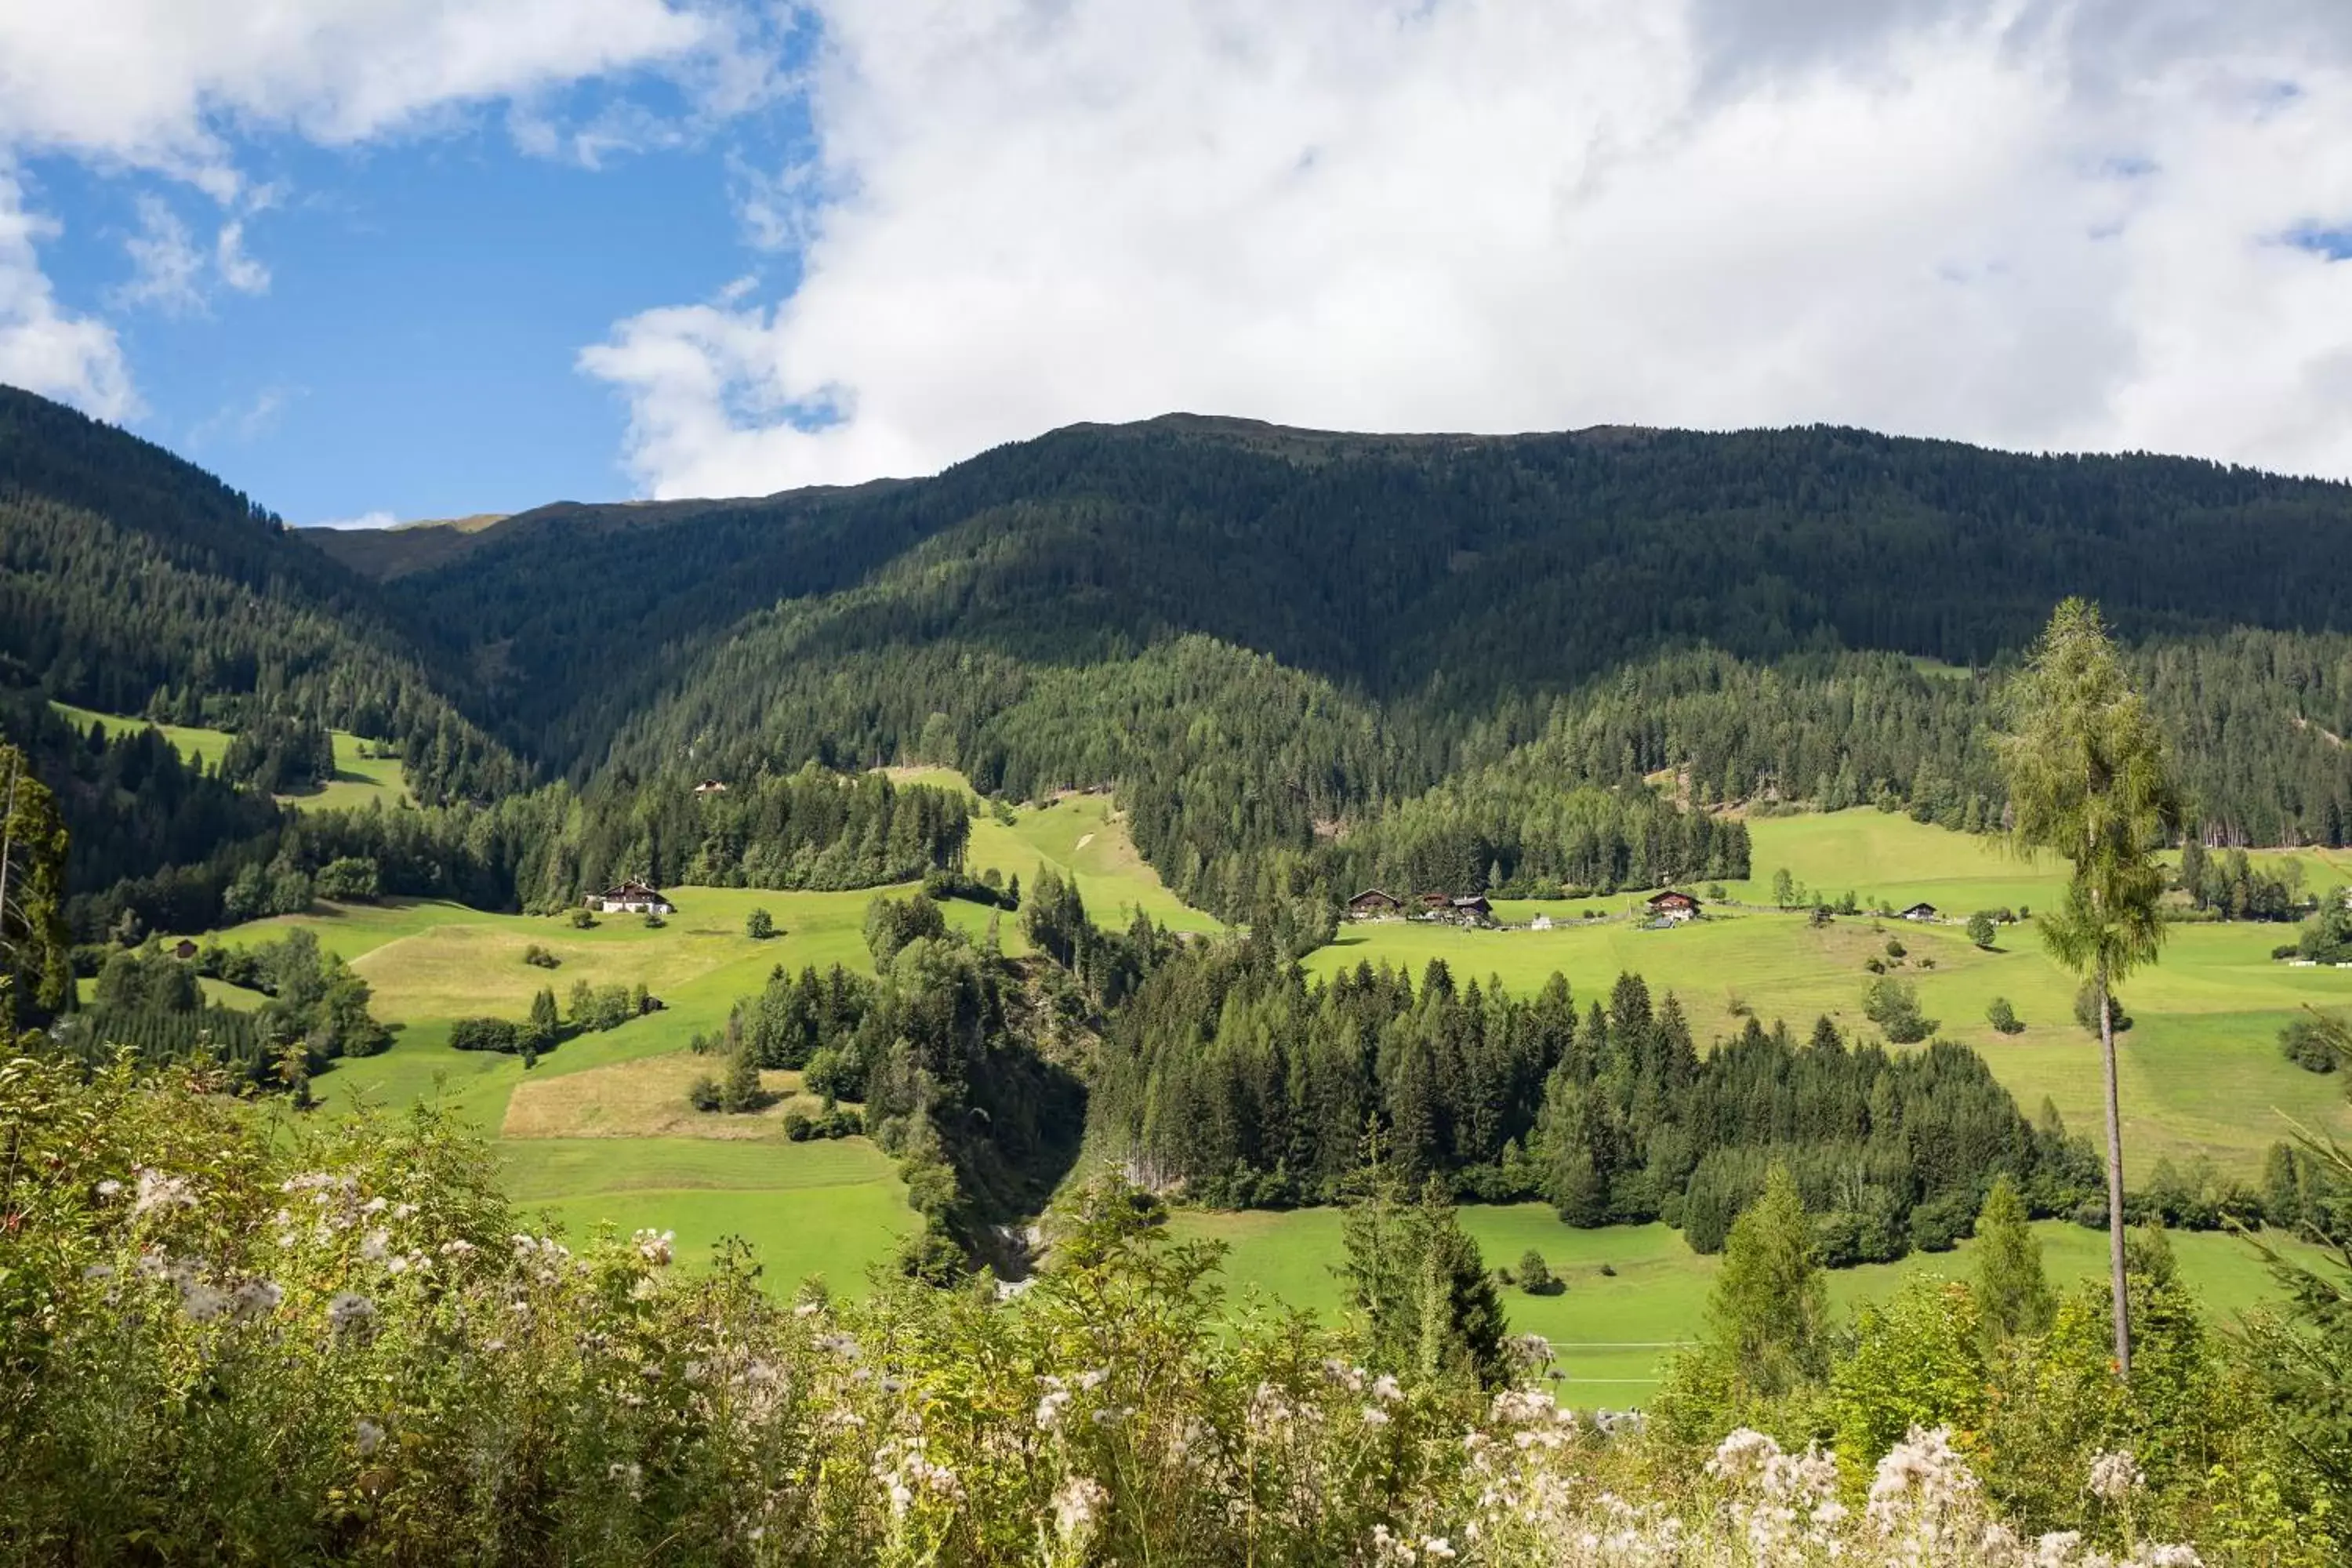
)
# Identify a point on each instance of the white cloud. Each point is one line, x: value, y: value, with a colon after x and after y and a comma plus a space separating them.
x: 365, y: 520
x: 165, y: 264
x: 2024, y: 222
x: 237, y: 269
x: 44, y: 347
x: 166, y: 86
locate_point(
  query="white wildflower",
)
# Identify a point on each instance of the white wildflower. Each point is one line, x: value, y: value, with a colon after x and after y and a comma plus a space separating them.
x: 376, y: 1245
x: 1386, y: 1390
x: 374, y: 1205
x: 1436, y: 1546
x: 807, y: 1309
x: 1091, y: 1379
x: 1375, y: 1416
x: 1078, y: 1502
x: 158, y: 1191
x: 2173, y: 1556
x: 203, y: 1302
x: 109, y: 1187
x: 368, y: 1436
x: 654, y: 1246
x: 351, y: 1312
x: 1742, y: 1455
x: 2115, y: 1476
x: 255, y: 1297
x: 1049, y: 1409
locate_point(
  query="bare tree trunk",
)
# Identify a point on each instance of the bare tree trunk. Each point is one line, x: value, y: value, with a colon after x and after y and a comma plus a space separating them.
x: 2114, y: 1179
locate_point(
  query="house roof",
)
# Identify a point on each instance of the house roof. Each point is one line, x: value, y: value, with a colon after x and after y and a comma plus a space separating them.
x: 1922, y: 904
x: 1373, y: 893
x: 1672, y: 896
x: 1470, y: 901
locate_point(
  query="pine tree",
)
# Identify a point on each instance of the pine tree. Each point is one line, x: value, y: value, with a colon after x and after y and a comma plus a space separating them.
x: 2014, y: 1295
x: 1769, y: 1316
x: 740, y: 1090
x: 2087, y: 781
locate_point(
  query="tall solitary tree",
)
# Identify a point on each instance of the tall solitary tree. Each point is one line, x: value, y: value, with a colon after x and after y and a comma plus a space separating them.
x: 2086, y: 770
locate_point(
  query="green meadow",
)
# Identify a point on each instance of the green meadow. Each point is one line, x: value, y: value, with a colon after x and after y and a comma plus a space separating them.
x: 358, y: 780
x: 1611, y: 1331
x: 597, y: 1132
x: 2201, y: 1070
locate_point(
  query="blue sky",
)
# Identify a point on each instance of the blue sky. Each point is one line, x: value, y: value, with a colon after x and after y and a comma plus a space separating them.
x: 413, y: 352
x: 409, y: 259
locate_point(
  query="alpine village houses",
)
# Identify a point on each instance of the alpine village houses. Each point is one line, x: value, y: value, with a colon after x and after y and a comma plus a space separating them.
x: 631, y: 898
x: 1465, y: 909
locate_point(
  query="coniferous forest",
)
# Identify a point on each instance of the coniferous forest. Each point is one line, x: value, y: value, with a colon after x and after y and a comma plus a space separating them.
x: 1301, y: 665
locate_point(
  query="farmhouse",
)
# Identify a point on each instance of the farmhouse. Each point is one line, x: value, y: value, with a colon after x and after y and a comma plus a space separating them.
x: 1672, y: 906
x: 710, y: 786
x: 1371, y: 904
x: 631, y: 898
x: 1471, y: 909
x: 1436, y: 903
x: 1920, y: 913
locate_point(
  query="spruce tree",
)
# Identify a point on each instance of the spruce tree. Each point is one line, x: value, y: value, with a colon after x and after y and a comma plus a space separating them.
x: 2011, y: 1293
x: 1768, y: 1318
x: 2087, y: 780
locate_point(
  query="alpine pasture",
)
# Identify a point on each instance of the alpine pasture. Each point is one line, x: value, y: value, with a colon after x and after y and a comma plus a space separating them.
x: 598, y: 1133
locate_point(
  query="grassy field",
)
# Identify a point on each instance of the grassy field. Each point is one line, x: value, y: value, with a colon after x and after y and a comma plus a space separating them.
x: 1613, y: 1329
x: 1083, y: 838
x: 2200, y: 1071
x: 599, y: 1131
x: 358, y: 780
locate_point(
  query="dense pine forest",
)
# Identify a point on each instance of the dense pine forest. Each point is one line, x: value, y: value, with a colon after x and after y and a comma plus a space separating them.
x: 1304, y: 662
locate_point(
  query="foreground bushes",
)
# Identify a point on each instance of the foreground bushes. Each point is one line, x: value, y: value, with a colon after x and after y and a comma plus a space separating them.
x: 232, y: 1337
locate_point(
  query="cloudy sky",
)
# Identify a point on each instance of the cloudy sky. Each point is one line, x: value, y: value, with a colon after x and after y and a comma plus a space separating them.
x: 398, y: 259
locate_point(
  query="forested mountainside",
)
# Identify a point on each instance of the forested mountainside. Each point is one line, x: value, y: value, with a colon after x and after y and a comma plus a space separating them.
x: 131, y: 582
x: 1303, y: 660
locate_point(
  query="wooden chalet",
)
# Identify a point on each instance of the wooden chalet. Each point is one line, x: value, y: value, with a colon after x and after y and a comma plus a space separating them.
x: 1920, y: 913
x: 710, y: 786
x: 1673, y: 906
x: 1372, y: 904
x: 1471, y: 909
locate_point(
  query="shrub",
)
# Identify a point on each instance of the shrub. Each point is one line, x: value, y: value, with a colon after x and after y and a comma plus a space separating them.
x: 2003, y: 1016
x: 1895, y: 948
x: 654, y: 922
x: 1535, y: 1276
x: 1894, y: 1006
x: 538, y: 957
x: 759, y: 925
x: 798, y: 1128
x: 703, y: 1094
x: 581, y: 919
x: 484, y: 1034
x: 1980, y: 928
x: 2303, y: 1041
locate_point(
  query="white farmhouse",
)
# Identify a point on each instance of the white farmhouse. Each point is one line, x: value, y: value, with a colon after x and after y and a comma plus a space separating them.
x: 631, y: 898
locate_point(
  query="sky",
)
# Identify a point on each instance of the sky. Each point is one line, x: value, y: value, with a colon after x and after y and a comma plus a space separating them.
x: 389, y: 260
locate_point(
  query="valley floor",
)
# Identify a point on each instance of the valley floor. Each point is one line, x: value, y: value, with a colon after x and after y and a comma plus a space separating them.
x: 598, y: 1131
